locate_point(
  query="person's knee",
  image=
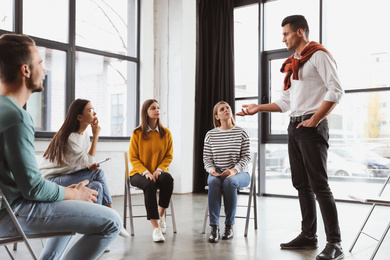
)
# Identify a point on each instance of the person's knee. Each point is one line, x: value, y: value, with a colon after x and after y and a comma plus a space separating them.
x: 214, y: 182
x: 230, y: 183
x: 95, y: 185
x: 99, y: 174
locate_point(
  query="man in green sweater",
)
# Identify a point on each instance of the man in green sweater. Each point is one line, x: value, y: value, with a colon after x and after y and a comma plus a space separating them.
x: 41, y: 205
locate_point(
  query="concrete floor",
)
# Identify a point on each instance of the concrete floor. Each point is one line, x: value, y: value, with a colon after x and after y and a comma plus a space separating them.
x: 279, y: 221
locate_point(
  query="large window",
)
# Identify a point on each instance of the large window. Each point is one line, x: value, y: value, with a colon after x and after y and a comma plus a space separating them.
x: 359, y: 153
x: 90, y: 50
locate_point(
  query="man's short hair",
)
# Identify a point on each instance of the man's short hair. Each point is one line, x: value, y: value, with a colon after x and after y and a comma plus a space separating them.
x: 296, y: 22
x: 14, y: 52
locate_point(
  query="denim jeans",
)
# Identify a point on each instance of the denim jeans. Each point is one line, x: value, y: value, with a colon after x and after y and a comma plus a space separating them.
x: 99, y: 225
x: 97, y: 181
x: 227, y: 186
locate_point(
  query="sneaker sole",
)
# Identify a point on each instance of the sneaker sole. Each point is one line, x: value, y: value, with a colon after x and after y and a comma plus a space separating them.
x: 299, y: 247
x: 337, y: 258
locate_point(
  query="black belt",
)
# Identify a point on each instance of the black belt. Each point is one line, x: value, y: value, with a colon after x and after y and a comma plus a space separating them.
x: 298, y: 119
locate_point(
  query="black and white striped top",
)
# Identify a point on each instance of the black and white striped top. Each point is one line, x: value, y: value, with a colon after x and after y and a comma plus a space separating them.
x: 226, y: 149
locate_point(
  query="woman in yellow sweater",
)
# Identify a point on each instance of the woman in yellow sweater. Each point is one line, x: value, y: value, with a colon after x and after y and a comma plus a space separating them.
x: 150, y: 154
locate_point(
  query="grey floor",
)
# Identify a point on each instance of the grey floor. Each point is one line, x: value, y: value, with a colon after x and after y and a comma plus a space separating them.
x: 279, y: 221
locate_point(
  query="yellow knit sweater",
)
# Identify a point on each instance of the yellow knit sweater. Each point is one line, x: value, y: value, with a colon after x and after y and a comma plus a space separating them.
x: 150, y: 154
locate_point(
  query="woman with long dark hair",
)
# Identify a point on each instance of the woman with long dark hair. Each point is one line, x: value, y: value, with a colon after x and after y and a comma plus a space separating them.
x: 226, y: 156
x: 151, y: 152
x: 70, y: 157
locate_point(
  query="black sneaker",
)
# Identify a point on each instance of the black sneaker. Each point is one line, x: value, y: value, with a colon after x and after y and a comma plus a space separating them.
x: 331, y: 252
x: 301, y: 242
x: 214, y: 236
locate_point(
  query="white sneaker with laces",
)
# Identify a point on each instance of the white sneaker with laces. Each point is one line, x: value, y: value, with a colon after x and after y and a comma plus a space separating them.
x: 157, y: 235
x: 124, y: 233
x: 162, y: 224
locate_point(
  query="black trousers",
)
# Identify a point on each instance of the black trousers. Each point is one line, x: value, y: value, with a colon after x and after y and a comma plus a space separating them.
x: 308, y: 152
x: 164, y: 183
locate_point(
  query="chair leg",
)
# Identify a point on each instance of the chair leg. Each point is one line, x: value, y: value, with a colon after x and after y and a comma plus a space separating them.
x: 173, y: 217
x: 130, y: 207
x: 205, y: 219
x: 15, y: 246
x: 9, y: 252
x: 380, y: 241
x: 255, y: 204
x: 248, y: 211
x: 125, y: 206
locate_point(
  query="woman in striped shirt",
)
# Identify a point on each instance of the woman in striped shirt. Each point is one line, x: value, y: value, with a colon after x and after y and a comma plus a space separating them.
x: 226, y: 156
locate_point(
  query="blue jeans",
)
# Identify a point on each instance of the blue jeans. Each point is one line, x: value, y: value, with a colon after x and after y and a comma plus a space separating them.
x: 99, y: 225
x: 227, y: 186
x: 97, y: 181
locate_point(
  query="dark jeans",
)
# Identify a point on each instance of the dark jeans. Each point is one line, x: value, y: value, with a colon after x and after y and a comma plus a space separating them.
x: 164, y: 183
x: 308, y: 152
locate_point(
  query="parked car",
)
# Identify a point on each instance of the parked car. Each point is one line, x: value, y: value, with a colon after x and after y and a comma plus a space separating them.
x: 338, y: 166
x: 274, y: 160
x: 379, y: 166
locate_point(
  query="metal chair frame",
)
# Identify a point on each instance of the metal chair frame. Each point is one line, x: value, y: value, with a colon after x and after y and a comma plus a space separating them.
x: 376, y: 201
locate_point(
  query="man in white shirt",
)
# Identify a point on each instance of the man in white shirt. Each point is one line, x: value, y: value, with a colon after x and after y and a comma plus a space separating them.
x: 311, y: 91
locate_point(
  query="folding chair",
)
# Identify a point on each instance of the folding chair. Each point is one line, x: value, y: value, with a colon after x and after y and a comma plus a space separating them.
x: 129, y: 205
x: 22, y: 236
x: 376, y: 201
x: 252, y: 194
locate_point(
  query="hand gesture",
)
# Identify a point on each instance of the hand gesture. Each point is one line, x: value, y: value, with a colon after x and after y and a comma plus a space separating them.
x: 250, y: 109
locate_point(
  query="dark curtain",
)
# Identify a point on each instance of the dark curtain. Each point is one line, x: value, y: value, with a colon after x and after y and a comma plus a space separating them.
x: 214, y: 73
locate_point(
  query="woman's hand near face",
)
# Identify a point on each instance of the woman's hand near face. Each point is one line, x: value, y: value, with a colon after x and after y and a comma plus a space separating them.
x: 95, y: 127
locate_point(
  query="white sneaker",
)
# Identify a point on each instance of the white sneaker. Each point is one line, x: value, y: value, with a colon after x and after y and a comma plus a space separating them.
x: 124, y: 233
x: 162, y: 224
x: 157, y: 235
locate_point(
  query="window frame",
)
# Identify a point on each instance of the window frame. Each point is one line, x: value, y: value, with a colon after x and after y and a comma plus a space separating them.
x: 70, y: 50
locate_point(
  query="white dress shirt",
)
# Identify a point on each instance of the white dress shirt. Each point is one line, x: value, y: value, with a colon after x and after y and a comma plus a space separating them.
x: 318, y: 82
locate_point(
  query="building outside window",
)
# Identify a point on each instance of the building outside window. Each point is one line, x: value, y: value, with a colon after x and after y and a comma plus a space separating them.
x: 90, y: 51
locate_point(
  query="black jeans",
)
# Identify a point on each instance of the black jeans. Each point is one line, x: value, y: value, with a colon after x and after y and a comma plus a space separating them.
x: 164, y: 183
x: 308, y: 152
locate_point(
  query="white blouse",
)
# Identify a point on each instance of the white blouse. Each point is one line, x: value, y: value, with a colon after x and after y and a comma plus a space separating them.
x: 76, y: 157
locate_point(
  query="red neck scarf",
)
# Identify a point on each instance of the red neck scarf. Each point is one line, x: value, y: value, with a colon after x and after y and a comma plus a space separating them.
x: 291, y: 65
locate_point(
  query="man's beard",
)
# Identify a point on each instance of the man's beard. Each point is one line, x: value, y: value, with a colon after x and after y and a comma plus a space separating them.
x: 34, y: 87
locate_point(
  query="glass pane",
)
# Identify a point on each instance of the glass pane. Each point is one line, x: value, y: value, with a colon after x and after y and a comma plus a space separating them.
x: 246, y: 46
x: 48, y: 108
x: 107, y: 25
x: 249, y: 123
x: 370, y: 59
x: 110, y: 86
x: 279, y: 121
x: 7, y: 15
x: 46, y: 19
x: 277, y: 170
x: 276, y: 11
